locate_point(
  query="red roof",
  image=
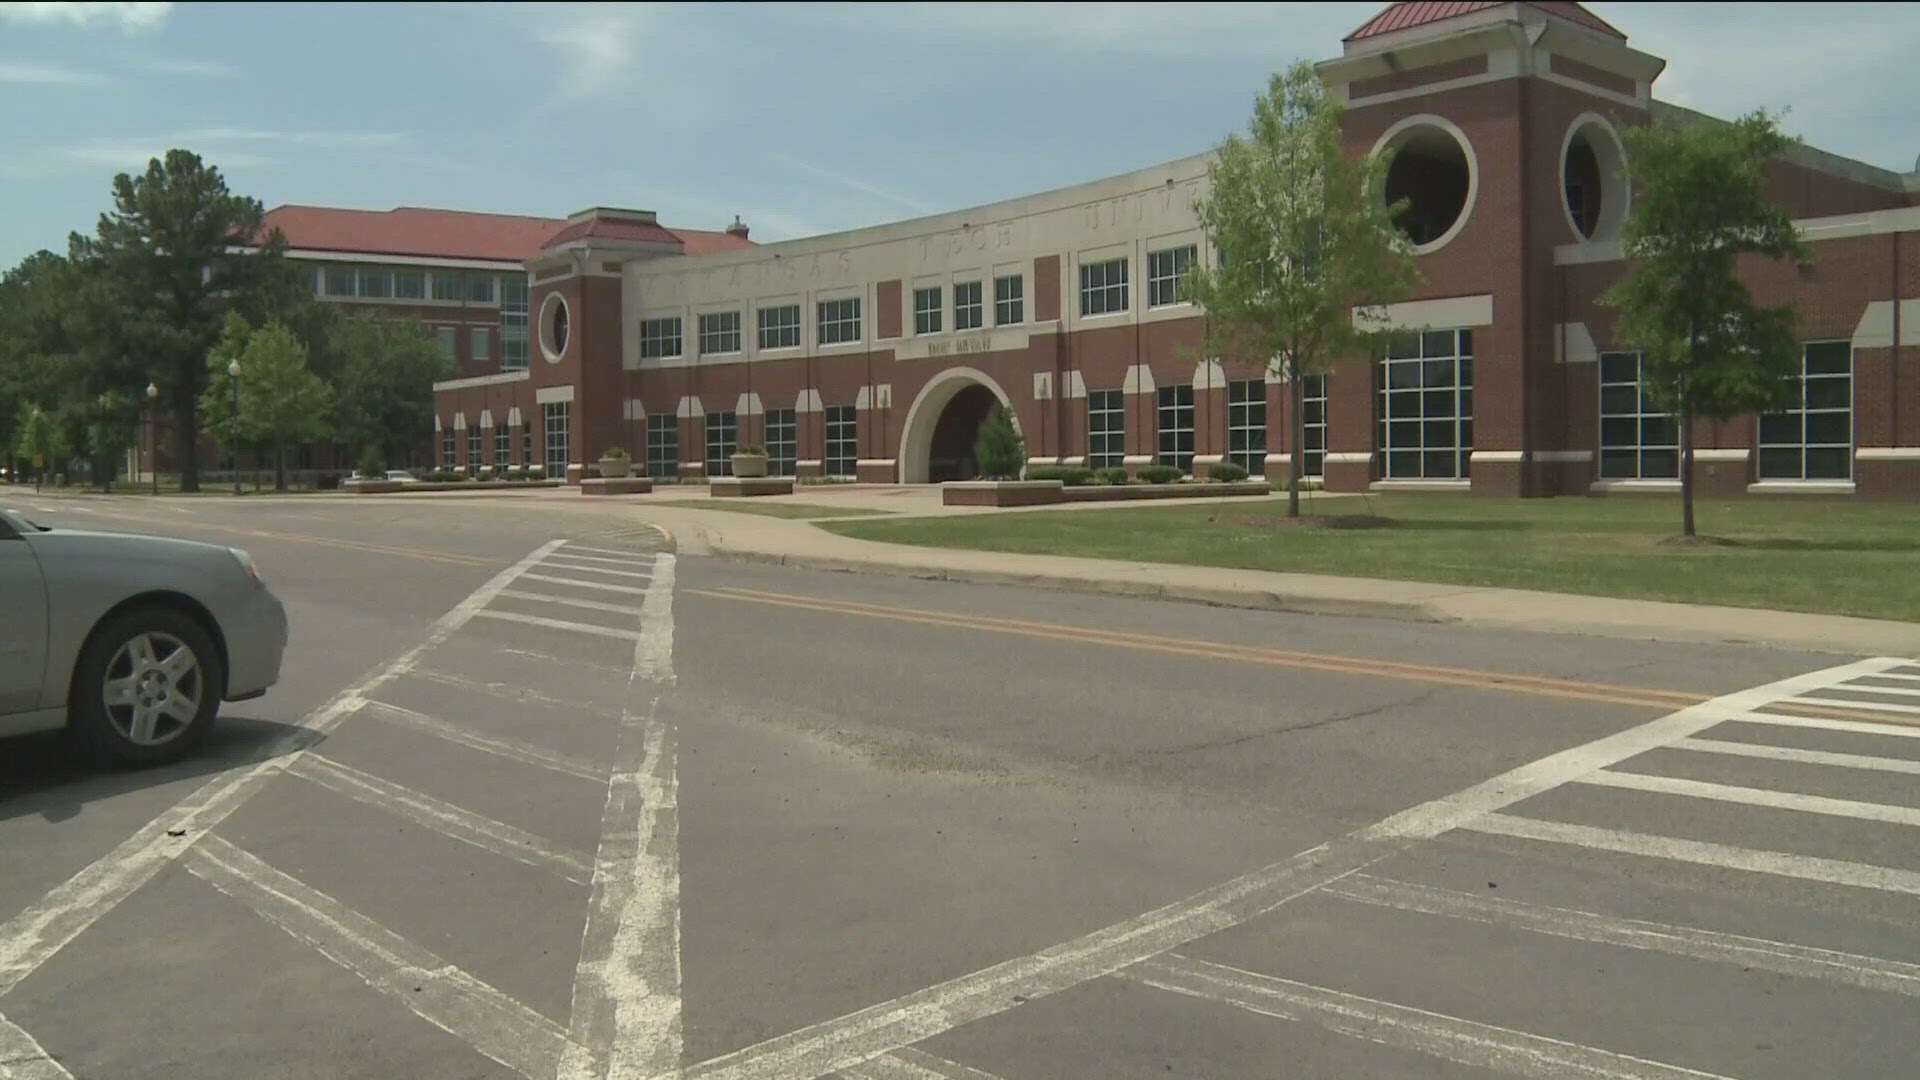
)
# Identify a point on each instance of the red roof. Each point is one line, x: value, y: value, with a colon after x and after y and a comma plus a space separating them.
x: 611, y: 229
x: 454, y: 234
x: 1403, y: 15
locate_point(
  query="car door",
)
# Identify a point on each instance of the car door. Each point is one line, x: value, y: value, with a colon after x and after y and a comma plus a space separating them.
x: 23, y: 623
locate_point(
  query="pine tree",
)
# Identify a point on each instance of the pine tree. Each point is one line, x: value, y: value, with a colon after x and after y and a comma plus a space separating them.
x: 999, y: 451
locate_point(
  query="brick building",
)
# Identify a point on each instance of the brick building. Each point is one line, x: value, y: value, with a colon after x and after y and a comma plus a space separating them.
x: 875, y: 353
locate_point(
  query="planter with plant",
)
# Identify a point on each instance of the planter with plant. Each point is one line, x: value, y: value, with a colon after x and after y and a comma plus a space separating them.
x: 614, y: 462
x: 750, y: 460
x: 1001, y: 454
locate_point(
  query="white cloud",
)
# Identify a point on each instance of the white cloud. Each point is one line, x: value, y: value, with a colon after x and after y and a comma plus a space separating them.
x: 1185, y: 31
x: 126, y: 16
x: 326, y: 140
x: 594, y: 46
x: 179, y: 65
x: 35, y: 73
x: 853, y: 183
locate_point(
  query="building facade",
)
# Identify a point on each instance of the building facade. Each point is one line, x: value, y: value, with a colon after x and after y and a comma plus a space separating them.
x: 875, y: 354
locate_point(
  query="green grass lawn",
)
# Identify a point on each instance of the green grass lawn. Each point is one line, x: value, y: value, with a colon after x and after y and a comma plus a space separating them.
x: 1836, y: 556
x: 766, y: 508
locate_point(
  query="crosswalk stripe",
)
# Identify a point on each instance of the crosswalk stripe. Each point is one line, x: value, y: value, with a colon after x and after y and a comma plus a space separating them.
x: 907, y: 1063
x: 1851, y: 969
x: 23, y: 1058
x: 1752, y: 796
x: 634, y: 553
x: 1899, y: 691
x: 559, y: 624
x: 601, y: 585
x: 572, y: 601
x: 637, y: 558
x: 1858, y: 727
x: 1754, y: 860
x: 506, y: 692
x: 1789, y: 753
x: 1881, y: 706
x: 447, y: 997
x: 512, y: 749
x: 442, y: 817
x: 576, y: 568
x: 1452, y: 1038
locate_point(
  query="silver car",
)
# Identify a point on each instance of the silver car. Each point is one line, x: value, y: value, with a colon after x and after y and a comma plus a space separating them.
x: 129, y: 642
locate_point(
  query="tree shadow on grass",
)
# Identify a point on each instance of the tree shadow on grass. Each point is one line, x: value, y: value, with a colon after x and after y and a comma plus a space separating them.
x: 1887, y: 544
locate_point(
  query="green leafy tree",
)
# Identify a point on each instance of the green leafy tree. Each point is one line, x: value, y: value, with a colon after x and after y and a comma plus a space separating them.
x: 1707, y: 350
x: 281, y: 402
x: 384, y: 384
x: 1304, y: 235
x: 36, y: 441
x: 998, y: 450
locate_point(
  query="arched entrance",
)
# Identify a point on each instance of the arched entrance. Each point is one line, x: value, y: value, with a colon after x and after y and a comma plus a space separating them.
x: 937, y: 440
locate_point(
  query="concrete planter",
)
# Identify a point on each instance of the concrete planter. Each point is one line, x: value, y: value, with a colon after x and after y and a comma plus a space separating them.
x: 370, y: 487
x: 615, y: 468
x: 1002, y: 492
x: 1132, y: 492
x: 616, y: 485
x: 750, y: 465
x: 728, y: 487
x: 383, y: 487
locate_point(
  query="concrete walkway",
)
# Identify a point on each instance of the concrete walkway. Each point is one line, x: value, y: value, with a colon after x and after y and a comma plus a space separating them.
x: 798, y: 543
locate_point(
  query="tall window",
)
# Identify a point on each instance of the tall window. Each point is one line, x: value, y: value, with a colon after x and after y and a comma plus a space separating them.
x: 1637, y: 440
x: 474, y: 446
x: 479, y: 288
x: 838, y: 320
x: 720, y: 333
x: 513, y: 322
x: 1424, y: 414
x: 843, y: 444
x: 1009, y: 300
x: 1103, y: 287
x: 1247, y: 424
x: 926, y: 310
x: 502, y: 446
x: 663, y: 447
x: 780, y: 326
x: 968, y: 312
x: 481, y: 342
x: 1313, y: 427
x: 555, y: 417
x: 447, y: 337
x: 1166, y: 272
x: 376, y: 284
x: 340, y: 281
x: 1814, y: 440
x: 526, y: 445
x: 1106, y: 429
x: 449, y: 285
x: 1175, y: 423
x: 449, y: 450
x: 783, y: 443
x: 409, y: 284
x: 720, y: 443
x: 659, y: 337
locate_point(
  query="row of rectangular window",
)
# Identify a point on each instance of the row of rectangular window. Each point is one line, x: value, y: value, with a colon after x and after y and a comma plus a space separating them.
x: 1103, y: 284
x: 389, y: 283
x: 721, y: 431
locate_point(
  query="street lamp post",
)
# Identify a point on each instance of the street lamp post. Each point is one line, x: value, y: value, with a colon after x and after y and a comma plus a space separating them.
x: 153, y: 435
x: 233, y: 449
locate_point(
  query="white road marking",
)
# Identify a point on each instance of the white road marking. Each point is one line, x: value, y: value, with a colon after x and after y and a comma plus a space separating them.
x: 1895, y: 675
x: 636, y: 553
x: 513, y: 749
x: 601, y: 585
x: 442, y: 817
x: 1897, y: 691
x: 590, y: 605
x: 1851, y: 969
x: 636, y: 559
x: 506, y: 692
x: 903, y: 1021
x: 559, y: 624
x: 1861, y: 727
x: 1450, y: 1037
x: 445, y: 996
x: 1877, y: 706
x: 23, y: 1058
x: 1809, y: 757
x: 1752, y: 796
x: 556, y: 563
x: 1754, y: 860
x: 910, y: 1064
x: 626, y: 1017
x: 28, y: 939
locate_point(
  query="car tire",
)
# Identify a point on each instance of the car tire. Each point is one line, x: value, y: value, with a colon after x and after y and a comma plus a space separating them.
x: 146, y: 688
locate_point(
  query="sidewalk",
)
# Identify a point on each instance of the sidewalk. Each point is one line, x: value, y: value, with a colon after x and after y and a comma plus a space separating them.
x: 797, y: 543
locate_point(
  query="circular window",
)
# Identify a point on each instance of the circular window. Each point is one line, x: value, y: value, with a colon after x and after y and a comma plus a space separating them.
x: 553, y: 327
x: 1593, y: 179
x: 1431, y: 166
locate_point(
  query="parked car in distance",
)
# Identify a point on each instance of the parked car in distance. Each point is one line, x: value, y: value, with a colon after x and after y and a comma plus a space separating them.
x: 128, y: 642
x: 402, y: 476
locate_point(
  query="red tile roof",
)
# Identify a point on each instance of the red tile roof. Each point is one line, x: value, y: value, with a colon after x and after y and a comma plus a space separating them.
x: 611, y: 229
x: 453, y: 234
x: 1403, y: 15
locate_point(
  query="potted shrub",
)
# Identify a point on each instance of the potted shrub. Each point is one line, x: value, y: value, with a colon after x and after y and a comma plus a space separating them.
x: 614, y: 462
x: 750, y: 460
x: 536, y: 472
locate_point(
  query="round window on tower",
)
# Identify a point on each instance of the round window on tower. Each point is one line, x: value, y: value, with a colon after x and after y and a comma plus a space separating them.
x: 1431, y: 167
x: 553, y: 327
x: 1593, y: 179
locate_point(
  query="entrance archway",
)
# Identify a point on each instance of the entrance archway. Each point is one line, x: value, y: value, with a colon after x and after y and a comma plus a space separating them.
x: 937, y: 439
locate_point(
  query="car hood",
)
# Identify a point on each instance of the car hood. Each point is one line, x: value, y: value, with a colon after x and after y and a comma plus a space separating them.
x: 94, y: 539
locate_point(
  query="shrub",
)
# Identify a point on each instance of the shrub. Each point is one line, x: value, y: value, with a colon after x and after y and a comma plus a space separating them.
x: 751, y: 450
x: 536, y: 472
x: 514, y: 474
x: 999, y: 450
x: 617, y: 453
x: 1226, y: 472
x: 1111, y: 475
x: 485, y: 473
x: 372, y: 465
x: 1069, y: 475
x: 1159, y: 474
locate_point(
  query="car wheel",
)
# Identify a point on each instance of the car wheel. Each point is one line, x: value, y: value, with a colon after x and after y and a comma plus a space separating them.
x: 146, y: 688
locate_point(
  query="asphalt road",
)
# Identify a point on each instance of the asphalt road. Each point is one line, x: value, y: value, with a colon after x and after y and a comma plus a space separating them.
x: 537, y: 797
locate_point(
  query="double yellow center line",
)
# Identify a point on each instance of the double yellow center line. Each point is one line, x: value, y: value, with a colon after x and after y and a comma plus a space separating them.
x: 1533, y: 685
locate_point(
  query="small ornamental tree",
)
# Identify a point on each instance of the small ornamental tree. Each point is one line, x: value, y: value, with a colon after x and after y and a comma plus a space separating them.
x: 1707, y: 350
x: 999, y: 451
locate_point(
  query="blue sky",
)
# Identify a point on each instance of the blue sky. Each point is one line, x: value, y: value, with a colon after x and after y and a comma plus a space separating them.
x: 799, y: 118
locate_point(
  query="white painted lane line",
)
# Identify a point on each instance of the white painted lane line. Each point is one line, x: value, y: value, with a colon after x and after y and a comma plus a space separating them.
x: 23, y: 1058
x: 590, y: 605
x: 635, y: 553
x: 28, y: 939
x: 1897, y: 691
x: 506, y: 692
x: 559, y: 624
x: 443, y: 995
x: 1752, y: 796
x: 1878, y: 706
x: 1810, y: 757
x: 512, y: 749
x: 626, y: 1016
x: 910, y: 1064
x: 578, y: 568
x: 601, y: 585
x: 1777, y: 863
x: 442, y: 817
x: 1851, y: 969
x: 638, y: 558
x: 903, y: 1021
x: 1896, y: 675
x: 1450, y: 1037
x: 1859, y: 727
